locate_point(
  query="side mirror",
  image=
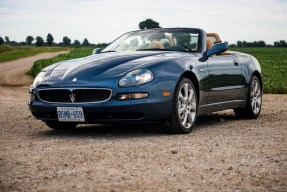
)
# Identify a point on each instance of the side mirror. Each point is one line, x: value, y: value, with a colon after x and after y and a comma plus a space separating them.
x: 216, y: 49
x: 97, y: 51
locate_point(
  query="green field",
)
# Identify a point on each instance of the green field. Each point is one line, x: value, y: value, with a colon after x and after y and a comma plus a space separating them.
x: 273, y: 63
x: 74, y: 53
x: 9, y: 53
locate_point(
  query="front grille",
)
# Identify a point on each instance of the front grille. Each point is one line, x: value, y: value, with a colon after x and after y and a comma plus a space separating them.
x: 74, y: 95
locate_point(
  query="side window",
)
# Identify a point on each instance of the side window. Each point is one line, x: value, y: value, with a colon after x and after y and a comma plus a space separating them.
x: 193, y: 42
x: 212, y: 38
x: 165, y: 42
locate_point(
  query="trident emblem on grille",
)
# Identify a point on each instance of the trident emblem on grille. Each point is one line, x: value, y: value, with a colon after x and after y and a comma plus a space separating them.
x: 72, y: 97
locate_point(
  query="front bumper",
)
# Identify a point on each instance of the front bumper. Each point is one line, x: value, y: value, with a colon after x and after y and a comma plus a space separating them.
x: 155, y: 107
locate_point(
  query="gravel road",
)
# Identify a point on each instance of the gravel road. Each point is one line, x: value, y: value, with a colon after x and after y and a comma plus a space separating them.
x: 221, y: 154
x: 13, y: 72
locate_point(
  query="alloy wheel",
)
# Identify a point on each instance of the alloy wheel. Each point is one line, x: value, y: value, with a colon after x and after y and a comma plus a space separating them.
x: 186, y: 105
x: 255, y: 95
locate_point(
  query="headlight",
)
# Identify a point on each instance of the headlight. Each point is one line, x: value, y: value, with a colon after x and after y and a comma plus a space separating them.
x: 39, y: 79
x: 136, y: 77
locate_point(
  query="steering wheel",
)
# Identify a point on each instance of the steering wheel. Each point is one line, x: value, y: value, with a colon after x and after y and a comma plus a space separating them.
x: 189, y: 49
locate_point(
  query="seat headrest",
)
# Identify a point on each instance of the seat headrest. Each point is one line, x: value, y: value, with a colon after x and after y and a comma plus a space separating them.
x: 156, y: 45
x: 209, y: 44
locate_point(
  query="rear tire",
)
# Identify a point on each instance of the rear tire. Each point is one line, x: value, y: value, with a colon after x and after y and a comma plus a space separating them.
x: 253, y: 102
x: 184, y: 108
x: 60, y: 126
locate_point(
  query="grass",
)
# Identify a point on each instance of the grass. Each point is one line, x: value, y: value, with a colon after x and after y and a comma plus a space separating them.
x: 74, y: 53
x: 9, y: 53
x: 273, y: 63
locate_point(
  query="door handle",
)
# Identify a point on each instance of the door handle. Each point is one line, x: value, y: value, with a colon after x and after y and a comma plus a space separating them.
x: 235, y: 61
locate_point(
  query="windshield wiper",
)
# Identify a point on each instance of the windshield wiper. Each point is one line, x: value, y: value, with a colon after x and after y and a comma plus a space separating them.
x: 154, y: 49
x: 107, y: 51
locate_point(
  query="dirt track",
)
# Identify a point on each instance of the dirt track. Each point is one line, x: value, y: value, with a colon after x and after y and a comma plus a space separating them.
x: 221, y: 154
x: 12, y: 72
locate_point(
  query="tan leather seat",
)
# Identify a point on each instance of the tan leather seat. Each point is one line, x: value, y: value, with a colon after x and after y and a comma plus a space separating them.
x: 209, y: 44
x: 155, y: 44
x: 169, y: 38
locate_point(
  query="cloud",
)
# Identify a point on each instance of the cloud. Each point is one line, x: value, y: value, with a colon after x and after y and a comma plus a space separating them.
x: 4, y: 10
x: 104, y: 20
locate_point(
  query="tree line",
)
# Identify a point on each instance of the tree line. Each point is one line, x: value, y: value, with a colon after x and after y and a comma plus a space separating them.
x: 146, y: 24
x: 281, y: 43
x: 39, y: 41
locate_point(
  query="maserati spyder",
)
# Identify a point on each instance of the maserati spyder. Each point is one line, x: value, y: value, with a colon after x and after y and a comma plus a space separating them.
x: 167, y: 75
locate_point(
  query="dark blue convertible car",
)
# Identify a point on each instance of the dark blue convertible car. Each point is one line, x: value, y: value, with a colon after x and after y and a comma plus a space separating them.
x: 169, y: 75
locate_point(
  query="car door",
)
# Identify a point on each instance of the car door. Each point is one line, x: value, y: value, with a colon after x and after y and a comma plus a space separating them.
x: 224, y: 78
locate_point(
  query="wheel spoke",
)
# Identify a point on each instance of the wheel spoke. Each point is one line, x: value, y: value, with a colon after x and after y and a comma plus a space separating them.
x: 253, y: 105
x: 181, y: 98
x: 191, y: 117
x: 190, y: 96
x: 185, y: 88
x: 181, y: 110
x: 189, y: 120
x: 184, y: 119
x: 181, y: 116
x: 255, y: 86
x: 192, y: 108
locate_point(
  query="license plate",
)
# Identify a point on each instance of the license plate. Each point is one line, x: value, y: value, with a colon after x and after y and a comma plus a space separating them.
x: 70, y: 114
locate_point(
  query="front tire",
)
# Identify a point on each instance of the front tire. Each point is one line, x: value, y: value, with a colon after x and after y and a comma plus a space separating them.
x: 60, y: 125
x: 184, y: 108
x: 254, y: 101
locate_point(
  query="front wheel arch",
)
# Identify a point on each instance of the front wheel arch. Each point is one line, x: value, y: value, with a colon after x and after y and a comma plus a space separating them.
x: 191, y: 76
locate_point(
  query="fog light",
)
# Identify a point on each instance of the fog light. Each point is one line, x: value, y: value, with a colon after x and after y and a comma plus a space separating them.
x: 130, y: 96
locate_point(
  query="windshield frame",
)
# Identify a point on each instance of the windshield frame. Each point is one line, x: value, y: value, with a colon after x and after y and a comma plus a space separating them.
x: 201, y: 35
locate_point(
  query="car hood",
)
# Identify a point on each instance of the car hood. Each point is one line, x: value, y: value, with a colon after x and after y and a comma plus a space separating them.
x: 107, y: 66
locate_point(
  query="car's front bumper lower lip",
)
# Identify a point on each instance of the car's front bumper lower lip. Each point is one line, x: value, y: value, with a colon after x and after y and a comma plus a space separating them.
x: 111, y: 111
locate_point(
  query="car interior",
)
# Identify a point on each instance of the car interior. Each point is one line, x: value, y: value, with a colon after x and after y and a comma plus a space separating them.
x: 213, y: 38
x: 165, y: 40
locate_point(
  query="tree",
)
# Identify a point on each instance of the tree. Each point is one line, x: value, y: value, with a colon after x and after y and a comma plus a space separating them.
x: 239, y: 44
x: 50, y: 39
x: 85, y: 42
x: 7, y: 39
x: 66, y: 41
x: 261, y: 44
x: 148, y: 24
x: 39, y: 41
x: 281, y: 43
x: 13, y: 43
x: 29, y: 40
x: 22, y: 43
x: 77, y: 42
x: 1, y: 40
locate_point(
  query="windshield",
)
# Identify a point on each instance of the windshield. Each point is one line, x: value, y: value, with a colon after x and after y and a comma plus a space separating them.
x: 169, y: 40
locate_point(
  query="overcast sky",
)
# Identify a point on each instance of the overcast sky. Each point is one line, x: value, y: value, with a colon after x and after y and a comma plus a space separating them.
x: 104, y: 20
